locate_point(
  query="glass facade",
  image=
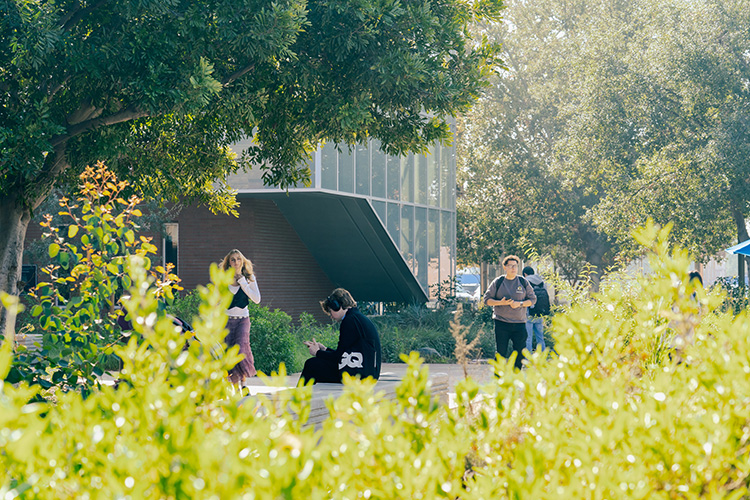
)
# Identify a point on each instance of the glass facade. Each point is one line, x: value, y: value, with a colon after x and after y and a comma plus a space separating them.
x: 414, y: 196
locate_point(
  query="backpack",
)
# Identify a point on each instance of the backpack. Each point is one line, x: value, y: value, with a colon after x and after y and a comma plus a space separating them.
x: 542, y: 306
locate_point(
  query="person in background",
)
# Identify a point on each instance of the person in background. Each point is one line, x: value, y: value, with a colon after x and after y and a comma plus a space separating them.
x: 244, y: 288
x: 696, y: 275
x: 358, y: 352
x: 510, y: 295
x: 537, y: 313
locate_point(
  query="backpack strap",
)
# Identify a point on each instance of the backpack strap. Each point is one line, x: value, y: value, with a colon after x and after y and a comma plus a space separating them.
x: 500, y: 280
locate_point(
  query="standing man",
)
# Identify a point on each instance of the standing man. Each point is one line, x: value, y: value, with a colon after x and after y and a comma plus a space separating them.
x: 509, y: 296
x: 535, y: 321
x: 358, y: 352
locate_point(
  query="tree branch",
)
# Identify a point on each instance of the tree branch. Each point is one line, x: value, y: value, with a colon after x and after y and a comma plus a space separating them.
x: 127, y: 114
x: 237, y: 74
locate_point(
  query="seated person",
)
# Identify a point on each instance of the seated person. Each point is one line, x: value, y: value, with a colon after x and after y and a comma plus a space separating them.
x: 358, y: 352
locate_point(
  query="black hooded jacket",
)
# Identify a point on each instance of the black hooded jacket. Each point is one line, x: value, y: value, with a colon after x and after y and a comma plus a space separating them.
x: 358, y: 351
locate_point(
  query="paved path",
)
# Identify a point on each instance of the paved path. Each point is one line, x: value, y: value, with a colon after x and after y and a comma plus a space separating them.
x: 479, y: 370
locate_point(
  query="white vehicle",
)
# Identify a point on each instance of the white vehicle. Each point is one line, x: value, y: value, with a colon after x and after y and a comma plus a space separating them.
x: 468, y: 288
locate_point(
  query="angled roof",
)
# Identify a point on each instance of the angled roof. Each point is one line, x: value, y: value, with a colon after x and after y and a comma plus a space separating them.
x: 349, y: 242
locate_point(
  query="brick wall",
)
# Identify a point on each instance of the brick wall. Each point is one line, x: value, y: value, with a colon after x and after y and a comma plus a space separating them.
x: 288, y: 276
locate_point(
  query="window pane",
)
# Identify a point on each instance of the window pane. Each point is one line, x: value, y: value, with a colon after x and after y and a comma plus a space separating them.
x: 328, y: 168
x: 445, y: 179
x: 420, y: 179
x: 394, y: 177
x: 363, y: 169
x: 379, y: 207
x: 433, y: 176
x: 420, y: 246
x: 433, y: 249
x: 407, y: 239
x: 171, y: 244
x: 394, y: 222
x: 446, y: 245
x: 346, y: 171
x: 378, y: 170
x: 407, y: 178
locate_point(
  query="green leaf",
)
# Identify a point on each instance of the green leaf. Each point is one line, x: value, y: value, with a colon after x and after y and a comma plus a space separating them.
x: 54, y: 248
x: 72, y: 230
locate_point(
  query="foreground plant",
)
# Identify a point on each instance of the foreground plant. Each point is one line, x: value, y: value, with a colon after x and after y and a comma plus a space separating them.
x: 77, y: 307
x: 607, y: 418
x: 648, y: 398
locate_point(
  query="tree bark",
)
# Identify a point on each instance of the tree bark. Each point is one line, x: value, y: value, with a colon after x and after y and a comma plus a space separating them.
x: 14, y: 220
x: 16, y: 210
x: 596, y: 247
x: 742, y: 262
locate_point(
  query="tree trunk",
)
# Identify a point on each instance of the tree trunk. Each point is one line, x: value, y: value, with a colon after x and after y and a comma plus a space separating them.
x: 15, y: 214
x: 596, y: 247
x: 739, y: 219
x: 14, y: 219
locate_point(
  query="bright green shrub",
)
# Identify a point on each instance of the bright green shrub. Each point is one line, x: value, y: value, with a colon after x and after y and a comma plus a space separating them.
x: 416, y: 326
x: 619, y: 414
x: 185, y: 305
x: 76, y: 308
x: 171, y: 430
x: 273, y: 339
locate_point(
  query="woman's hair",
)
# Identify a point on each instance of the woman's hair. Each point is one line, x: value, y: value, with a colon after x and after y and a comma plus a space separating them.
x: 339, y: 298
x: 509, y: 258
x: 695, y: 275
x: 247, y: 266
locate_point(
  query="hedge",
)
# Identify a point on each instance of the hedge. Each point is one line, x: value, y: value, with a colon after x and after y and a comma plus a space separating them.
x: 649, y: 397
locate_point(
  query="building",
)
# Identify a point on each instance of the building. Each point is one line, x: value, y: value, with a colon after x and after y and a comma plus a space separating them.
x: 381, y: 226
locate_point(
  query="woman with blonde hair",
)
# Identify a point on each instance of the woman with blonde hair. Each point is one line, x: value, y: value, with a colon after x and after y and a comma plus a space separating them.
x: 244, y: 288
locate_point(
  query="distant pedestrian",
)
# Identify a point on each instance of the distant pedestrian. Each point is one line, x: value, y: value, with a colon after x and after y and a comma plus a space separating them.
x: 244, y: 288
x: 510, y: 295
x: 358, y: 352
x: 537, y: 313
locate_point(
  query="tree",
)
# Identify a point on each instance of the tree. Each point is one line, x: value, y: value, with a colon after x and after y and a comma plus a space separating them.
x: 619, y: 112
x: 513, y: 187
x: 669, y: 114
x: 159, y: 90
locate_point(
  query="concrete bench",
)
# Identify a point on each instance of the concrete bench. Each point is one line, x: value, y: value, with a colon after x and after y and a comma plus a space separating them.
x: 387, y: 383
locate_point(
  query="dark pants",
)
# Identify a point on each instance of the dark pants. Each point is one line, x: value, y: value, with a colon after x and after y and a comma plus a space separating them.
x: 510, y: 331
x: 320, y: 370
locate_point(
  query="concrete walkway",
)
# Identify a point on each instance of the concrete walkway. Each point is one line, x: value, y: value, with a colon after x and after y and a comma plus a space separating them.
x: 443, y: 379
x: 479, y: 370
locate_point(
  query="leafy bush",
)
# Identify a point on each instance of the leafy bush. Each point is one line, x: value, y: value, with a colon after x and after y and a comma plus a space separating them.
x: 77, y: 309
x: 607, y: 418
x: 737, y: 294
x: 648, y: 398
x: 273, y: 339
x: 415, y: 327
x: 185, y: 305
